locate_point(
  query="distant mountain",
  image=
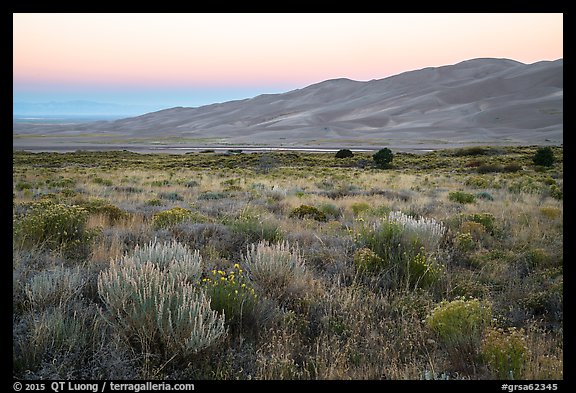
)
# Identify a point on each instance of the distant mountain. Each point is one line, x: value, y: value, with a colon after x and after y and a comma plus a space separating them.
x: 77, y: 108
x: 476, y: 101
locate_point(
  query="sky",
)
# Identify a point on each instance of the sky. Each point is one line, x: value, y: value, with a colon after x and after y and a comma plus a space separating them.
x: 191, y: 59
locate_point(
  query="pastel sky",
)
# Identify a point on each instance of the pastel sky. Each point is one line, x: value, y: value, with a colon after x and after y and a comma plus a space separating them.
x: 197, y: 59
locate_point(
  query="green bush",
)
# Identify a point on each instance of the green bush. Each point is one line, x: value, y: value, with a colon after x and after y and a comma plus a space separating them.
x: 169, y: 218
x: 461, y: 197
x: 470, y: 151
x: 305, y: 211
x: 51, y: 225
x: 464, y: 242
x: 344, y: 153
x: 153, y: 202
x: 254, y: 228
x: 487, y: 220
x: 104, y: 182
x: 98, y: 206
x: 383, y: 158
x: 395, y: 247
x: 477, y: 182
x: 556, y: 192
x: 385, y: 239
x: 485, y: 195
x: 212, y: 195
x: 525, y: 184
x: 460, y: 324
x: 360, y: 207
x: 171, y: 196
x: 544, y: 156
x: 505, y: 352
x: 330, y: 210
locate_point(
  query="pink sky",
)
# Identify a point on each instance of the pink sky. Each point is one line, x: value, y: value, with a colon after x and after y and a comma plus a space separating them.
x: 82, y: 56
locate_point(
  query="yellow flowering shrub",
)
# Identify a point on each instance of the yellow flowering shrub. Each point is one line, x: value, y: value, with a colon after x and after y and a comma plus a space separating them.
x: 505, y: 352
x: 230, y: 293
x: 51, y: 225
x: 460, y: 324
x: 170, y: 217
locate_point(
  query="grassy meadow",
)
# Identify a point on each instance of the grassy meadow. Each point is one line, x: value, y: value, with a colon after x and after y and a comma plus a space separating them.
x: 446, y: 265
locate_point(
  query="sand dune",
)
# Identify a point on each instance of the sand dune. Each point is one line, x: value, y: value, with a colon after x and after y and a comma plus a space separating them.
x: 475, y: 101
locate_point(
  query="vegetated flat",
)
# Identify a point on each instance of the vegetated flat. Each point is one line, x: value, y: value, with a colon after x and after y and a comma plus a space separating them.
x: 480, y: 101
x: 445, y: 265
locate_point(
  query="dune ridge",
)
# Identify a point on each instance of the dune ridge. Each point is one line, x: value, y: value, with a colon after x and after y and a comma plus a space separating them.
x: 485, y: 100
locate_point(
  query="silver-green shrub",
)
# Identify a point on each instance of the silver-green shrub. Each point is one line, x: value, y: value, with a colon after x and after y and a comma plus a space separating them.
x: 274, y: 266
x: 158, y: 311
x: 172, y: 257
x: 428, y: 230
x: 54, y: 287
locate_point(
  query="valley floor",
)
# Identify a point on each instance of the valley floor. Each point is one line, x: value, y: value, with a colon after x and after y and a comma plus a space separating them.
x: 288, y: 265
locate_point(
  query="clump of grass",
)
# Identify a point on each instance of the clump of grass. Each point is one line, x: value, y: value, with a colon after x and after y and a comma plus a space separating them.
x: 102, y: 181
x: 550, y: 212
x: 254, y: 227
x: 359, y: 208
x: 212, y: 195
x: 505, y: 352
x: 461, y: 197
x: 170, y: 196
x: 99, y: 206
x: 54, y: 334
x: 311, y: 212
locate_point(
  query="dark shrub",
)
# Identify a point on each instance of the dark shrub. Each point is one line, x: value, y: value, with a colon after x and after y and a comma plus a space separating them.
x: 305, y: 211
x: 470, y: 151
x: 461, y: 197
x: 344, y: 153
x: 544, y: 156
x: 383, y: 158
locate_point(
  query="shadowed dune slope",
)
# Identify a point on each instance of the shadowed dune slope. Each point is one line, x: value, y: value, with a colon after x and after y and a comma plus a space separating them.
x: 480, y: 100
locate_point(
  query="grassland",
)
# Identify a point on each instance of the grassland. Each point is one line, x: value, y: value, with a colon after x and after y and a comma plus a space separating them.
x: 447, y: 265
